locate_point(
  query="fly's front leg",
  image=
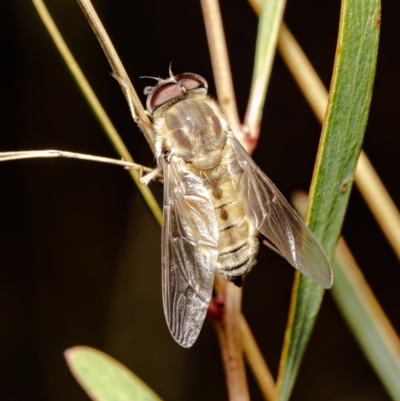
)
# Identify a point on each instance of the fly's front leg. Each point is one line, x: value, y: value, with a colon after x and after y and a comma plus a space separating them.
x: 136, y: 119
x: 146, y: 178
x: 157, y: 172
x: 145, y: 174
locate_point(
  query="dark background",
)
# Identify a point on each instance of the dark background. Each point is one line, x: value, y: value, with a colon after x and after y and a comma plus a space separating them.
x: 80, y: 253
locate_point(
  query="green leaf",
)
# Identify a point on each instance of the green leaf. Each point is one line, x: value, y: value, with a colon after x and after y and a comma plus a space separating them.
x: 340, y: 145
x: 367, y: 321
x: 105, y: 379
x: 267, y: 37
x: 362, y: 312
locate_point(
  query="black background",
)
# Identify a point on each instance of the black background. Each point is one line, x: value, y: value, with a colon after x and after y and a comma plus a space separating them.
x: 80, y: 253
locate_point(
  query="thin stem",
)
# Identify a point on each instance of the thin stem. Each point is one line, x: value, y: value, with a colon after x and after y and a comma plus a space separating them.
x: 228, y: 328
x: 50, y: 153
x: 120, y: 73
x: 379, y: 201
x: 256, y: 361
x: 95, y: 105
x: 220, y: 64
x: 230, y: 340
x: 303, y: 72
x: 231, y: 317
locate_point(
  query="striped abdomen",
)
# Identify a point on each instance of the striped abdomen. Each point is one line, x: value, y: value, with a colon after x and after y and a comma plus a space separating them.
x: 238, y: 243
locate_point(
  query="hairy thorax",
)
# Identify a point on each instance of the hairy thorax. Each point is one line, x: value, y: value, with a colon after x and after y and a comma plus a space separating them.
x: 194, y: 130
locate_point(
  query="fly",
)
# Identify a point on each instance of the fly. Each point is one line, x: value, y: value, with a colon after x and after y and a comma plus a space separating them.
x: 218, y: 204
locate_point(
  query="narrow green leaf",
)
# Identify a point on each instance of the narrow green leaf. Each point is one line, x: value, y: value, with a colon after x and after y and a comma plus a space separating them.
x: 268, y: 28
x: 362, y: 312
x: 340, y: 145
x: 105, y: 379
x: 367, y: 321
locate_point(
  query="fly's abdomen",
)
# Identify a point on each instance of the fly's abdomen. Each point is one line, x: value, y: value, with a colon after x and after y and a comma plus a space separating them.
x: 238, y: 243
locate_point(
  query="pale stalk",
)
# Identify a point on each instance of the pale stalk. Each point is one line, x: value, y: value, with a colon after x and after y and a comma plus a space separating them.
x: 135, y: 105
x: 221, y: 66
x: 256, y: 361
x: 226, y: 97
x: 228, y: 328
x: 229, y: 337
x: 52, y: 153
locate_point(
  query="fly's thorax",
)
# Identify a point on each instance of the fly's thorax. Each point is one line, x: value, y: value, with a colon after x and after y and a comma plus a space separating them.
x: 192, y: 129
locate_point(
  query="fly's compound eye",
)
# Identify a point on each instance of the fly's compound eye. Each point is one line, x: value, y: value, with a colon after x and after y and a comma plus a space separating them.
x: 191, y: 81
x: 161, y: 94
x: 173, y: 87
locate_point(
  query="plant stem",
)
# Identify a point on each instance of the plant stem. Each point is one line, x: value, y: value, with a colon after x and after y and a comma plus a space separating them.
x: 230, y: 340
x: 220, y: 64
x: 232, y: 321
x: 52, y: 153
x: 256, y: 361
x: 228, y: 328
x: 134, y: 102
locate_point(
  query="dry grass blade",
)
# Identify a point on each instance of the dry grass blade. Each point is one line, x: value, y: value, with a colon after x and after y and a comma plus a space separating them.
x: 379, y: 201
x: 256, y: 361
x: 52, y: 153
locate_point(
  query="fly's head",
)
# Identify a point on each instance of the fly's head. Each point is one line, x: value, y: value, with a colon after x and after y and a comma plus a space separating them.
x: 173, y: 89
x: 187, y: 123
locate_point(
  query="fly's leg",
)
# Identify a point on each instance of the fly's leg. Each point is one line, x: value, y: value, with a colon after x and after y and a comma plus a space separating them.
x: 144, y: 179
x: 155, y: 173
x: 269, y: 245
x: 135, y: 117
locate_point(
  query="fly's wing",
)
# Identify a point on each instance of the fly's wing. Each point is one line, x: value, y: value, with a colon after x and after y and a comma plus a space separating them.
x: 189, y: 251
x: 274, y: 218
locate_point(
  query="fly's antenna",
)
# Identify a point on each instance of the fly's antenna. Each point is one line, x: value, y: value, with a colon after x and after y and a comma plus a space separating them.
x: 148, y: 89
x: 157, y: 79
x: 171, y: 74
